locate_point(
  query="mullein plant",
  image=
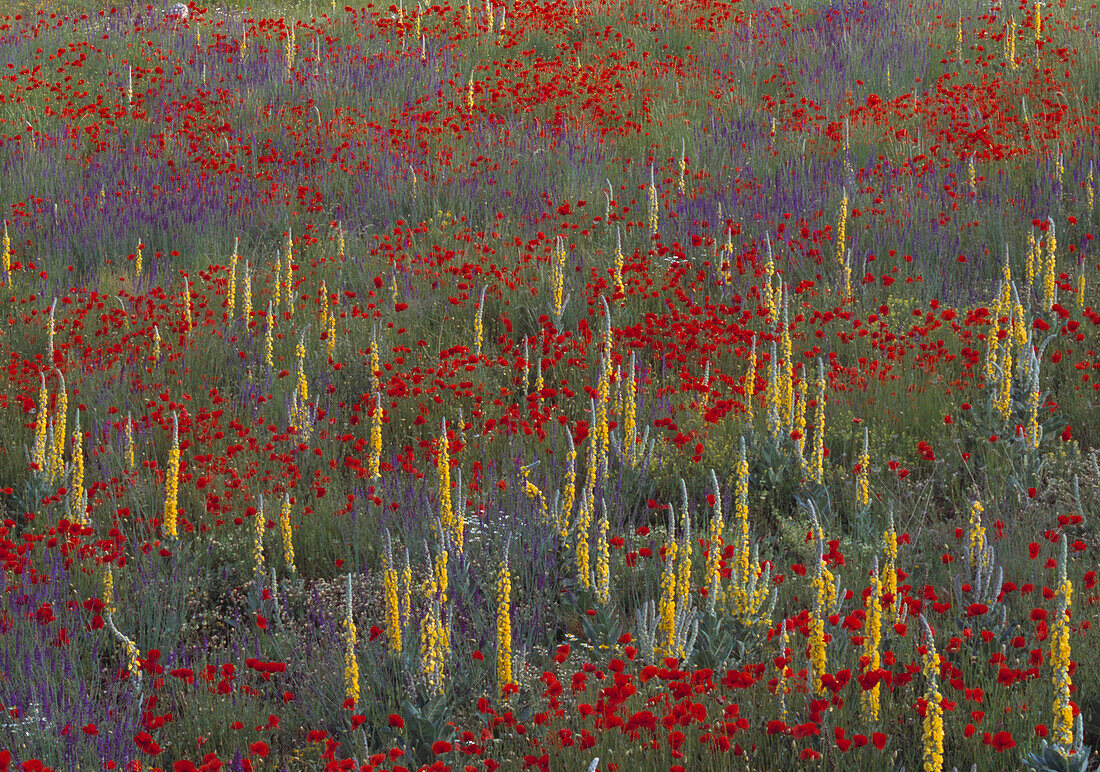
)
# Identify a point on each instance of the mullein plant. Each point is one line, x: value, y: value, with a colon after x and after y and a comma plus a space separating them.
x: 712, y: 578
x: 433, y: 648
x: 133, y: 654
x: 769, y: 294
x: 5, y: 257
x: 41, y: 418
x: 975, y: 540
x: 602, y: 581
x: 1034, y: 253
x: 288, y: 50
x: 231, y: 285
x: 504, y: 627
x: 289, y: 269
x: 269, y: 343
x: 374, y: 463
x: 870, y: 660
x: 1050, y: 269
x: 51, y: 330
x: 351, y: 661
x: 187, y: 321
x: 667, y: 604
x: 620, y: 288
x: 772, y: 396
x: 479, y: 330
x: 288, y: 536
x: 842, y: 222
x: 863, y: 487
x: 932, y: 735
x: 787, y: 373
x: 394, y: 630
x: 683, y: 578
x: 137, y: 261
x: 1062, y: 724
x: 246, y: 295
x: 826, y: 597
x: 107, y: 596
x: 299, y: 410
x: 821, y: 585
x: 557, y: 279
x: 55, y: 469
x: 533, y: 492
x: 1090, y: 191
x: 406, y: 591
x: 653, y: 205
x: 131, y: 456
x: 569, y: 489
x: 375, y: 364
x: 817, y: 460
x: 451, y: 521
x: 259, y: 525
x: 171, y: 481
x: 890, y: 571
x: 78, y: 499
x: 743, y: 573
x: 798, y: 430
x: 1010, y: 43
x: 629, y: 416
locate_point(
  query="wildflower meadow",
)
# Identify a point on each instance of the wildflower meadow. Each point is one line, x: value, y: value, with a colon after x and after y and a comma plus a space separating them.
x: 553, y: 385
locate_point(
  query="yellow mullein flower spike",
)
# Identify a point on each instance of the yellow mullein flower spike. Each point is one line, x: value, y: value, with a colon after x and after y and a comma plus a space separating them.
x: 863, y: 488
x: 1062, y: 725
x: 504, y: 627
x: 288, y: 535
x: 389, y: 592
x: 41, y: 418
x: 932, y: 738
x: 569, y: 488
x: 872, y: 626
x: 667, y: 609
x: 976, y: 537
x: 259, y: 525
x: 842, y: 222
x: 231, y: 286
x: 57, y: 455
x: 890, y: 569
x: 654, y: 210
x: 78, y: 502
x: 172, y: 480
x: 817, y: 463
x: 375, y: 463
x: 351, y: 661
x: 187, y: 305
x: 108, y: 596
x: 269, y: 342
x: 479, y: 330
x: 713, y: 578
x: 246, y: 294
x: 289, y: 268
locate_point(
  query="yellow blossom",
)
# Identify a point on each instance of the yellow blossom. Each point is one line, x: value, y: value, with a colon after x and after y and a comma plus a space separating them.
x: 171, y: 480
x: 504, y: 626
